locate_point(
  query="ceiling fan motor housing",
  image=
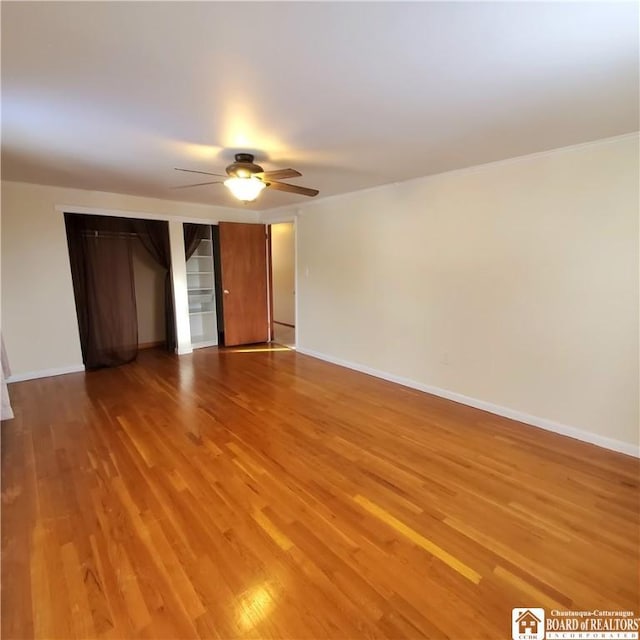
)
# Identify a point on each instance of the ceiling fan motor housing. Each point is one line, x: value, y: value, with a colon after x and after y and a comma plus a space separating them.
x: 243, y: 167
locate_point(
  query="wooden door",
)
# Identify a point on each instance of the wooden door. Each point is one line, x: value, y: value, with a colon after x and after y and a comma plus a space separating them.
x: 243, y: 266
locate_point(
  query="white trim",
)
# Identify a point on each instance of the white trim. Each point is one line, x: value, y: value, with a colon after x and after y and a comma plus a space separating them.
x: 296, y: 284
x: 204, y: 343
x: 462, y: 170
x: 46, y: 373
x: 178, y: 275
x: 129, y: 213
x: 183, y: 351
x: 565, y: 430
x: 268, y: 267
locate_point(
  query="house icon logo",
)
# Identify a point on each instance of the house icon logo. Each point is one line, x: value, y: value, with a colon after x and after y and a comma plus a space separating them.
x: 527, y: 624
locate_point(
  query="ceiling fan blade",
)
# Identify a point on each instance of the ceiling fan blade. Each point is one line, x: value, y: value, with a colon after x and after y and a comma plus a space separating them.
x: 291, y: 188
x: 206, y: 173
x: 198, y: 184
x: 278, y: 174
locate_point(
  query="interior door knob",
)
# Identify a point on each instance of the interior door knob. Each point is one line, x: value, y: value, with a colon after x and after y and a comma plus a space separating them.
x: 226, y: 292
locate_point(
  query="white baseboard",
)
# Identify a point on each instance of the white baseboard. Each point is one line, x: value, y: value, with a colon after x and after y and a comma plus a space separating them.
x: 183, y: 351
x: 573, y: 432
x: 45, y: 373
x: 206, y: 343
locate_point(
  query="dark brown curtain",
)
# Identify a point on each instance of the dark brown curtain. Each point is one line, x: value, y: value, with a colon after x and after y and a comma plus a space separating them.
x: 154, y: 235
x: 102, y: 272
x: 193, y: 233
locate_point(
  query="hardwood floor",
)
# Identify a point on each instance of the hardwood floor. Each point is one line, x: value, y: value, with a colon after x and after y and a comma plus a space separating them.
x: 266, y: 494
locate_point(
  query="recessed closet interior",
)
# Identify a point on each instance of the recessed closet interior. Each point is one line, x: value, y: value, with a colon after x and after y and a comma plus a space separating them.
x: 201, y: 285
x: 149, y: 279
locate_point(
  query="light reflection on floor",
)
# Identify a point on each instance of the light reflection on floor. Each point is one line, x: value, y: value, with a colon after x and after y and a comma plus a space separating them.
x: 255, y: 605
x: 186, y: 374
x: 257, y: 349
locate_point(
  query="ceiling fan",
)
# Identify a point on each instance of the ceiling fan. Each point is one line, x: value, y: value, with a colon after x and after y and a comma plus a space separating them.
x: 246, y: 180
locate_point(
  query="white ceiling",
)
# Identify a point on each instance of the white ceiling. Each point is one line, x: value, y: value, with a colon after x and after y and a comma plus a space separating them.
x: 111, y: 96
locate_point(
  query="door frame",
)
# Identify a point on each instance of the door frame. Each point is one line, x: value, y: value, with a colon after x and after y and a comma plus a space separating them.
x: 178, y: 262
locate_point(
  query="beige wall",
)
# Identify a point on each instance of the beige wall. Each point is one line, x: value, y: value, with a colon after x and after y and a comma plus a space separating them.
x: 38, y: 314
x: 149, y: 278
x: 514, y: 283
x: 283, y: 267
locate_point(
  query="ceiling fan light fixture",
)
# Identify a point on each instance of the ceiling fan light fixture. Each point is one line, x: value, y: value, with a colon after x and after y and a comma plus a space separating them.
x: 245, y: 189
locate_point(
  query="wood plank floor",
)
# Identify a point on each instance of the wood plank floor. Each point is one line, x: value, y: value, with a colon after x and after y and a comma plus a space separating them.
x: 236, y: 494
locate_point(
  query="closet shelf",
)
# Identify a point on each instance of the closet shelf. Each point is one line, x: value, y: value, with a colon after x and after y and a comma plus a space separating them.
x: 201, y: 295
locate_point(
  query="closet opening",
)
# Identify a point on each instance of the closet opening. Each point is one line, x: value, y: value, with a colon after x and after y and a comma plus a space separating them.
x: 201, y: 285
x: 121, y: 272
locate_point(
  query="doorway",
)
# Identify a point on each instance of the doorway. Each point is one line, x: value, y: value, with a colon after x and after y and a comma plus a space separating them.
x: 254, y: 283
x: 283, y: 268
